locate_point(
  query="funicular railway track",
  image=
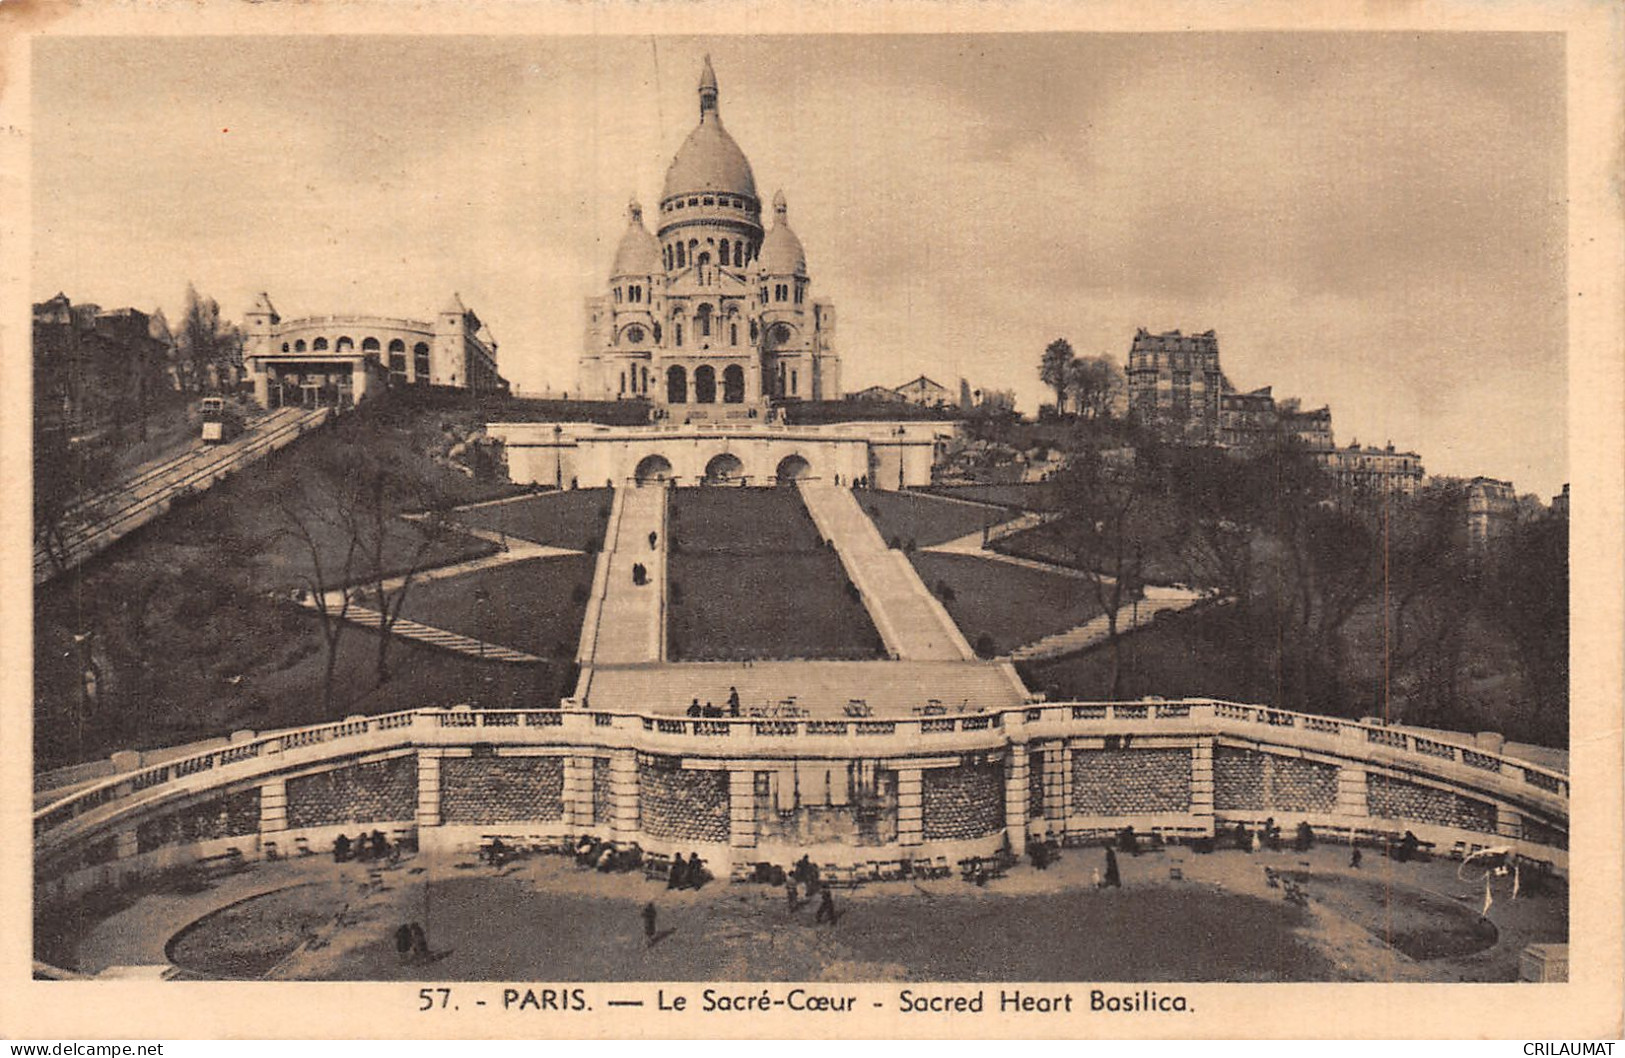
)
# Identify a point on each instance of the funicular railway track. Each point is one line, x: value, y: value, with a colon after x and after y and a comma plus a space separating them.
x: 98, y: 521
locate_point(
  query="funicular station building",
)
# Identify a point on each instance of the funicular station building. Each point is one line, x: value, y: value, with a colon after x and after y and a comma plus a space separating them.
x: 925, y: 753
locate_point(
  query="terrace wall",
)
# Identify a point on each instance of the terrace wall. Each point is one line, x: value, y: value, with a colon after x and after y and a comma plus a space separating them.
x: 743, y: 790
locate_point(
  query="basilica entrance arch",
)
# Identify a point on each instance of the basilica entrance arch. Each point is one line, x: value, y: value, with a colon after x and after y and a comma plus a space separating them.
x: 676, y: 385
x: 792, y: 468
x: 733, y: 384
x: 652, y: 469
x: 724, y: 469
x: 705, y: 385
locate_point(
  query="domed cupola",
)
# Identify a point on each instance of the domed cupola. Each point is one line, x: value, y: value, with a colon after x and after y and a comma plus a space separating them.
x: 709, y: 160
x: 639, y: 253
x: 782, y: 254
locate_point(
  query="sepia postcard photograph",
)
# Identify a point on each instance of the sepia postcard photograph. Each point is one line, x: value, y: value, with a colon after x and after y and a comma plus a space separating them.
x: 682, y: 522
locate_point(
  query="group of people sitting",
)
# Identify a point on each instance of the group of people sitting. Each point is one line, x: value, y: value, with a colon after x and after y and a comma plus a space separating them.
x: 687, y: 874
x: 607, y: 856
x: 1043, y: 852
x: 709, y: 710
x: 366, y: 847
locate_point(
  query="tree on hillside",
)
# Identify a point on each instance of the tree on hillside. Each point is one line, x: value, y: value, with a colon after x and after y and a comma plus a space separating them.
x: 1115, y: 517
x: 1527, y: 594
x: 68, y: 476
x: 207, y: 347
x: 1095, y: 383
x: 1052, y: 370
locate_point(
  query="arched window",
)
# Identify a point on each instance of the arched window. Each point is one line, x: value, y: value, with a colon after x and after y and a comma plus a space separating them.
x: 792, y: 382
x: 702, y: 321
x: 617, y: 295
x: 346, y: 345
x: 369, y: 345
x: 733, y: 384
x: 420, y: 362
x: 319, y: 345
x: 645, y: 387
x: 681, y: 263
x: 753, y: 331
x: 705, y: 385
x: 623, y: 381
x: 397, y: 358
x: 284, y: 347
x: 733, y: 334
x: 676, y: 385
x: 678, y: 334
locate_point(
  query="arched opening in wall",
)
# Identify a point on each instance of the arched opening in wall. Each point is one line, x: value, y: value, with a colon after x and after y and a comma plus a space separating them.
x: 702, y: 320
x: 652, y: 469
x: 644, y: 388
x: 420, y: 363
x: 299, y: 346
x: 369, y: 345
x: 723, y: 469
x: 397, y: 360
x: 792, y: 468
x: 733, y: 384
x: 346, y: 345
x: 705, y: 385
x: 726, y: 255
x: 319, y: 345
x: 676, y: 385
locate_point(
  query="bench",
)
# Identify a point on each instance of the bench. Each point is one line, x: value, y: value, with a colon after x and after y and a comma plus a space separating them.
x: 657, y: 867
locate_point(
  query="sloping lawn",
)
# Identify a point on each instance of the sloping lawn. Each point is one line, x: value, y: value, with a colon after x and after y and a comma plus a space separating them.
x: 1007, y: 603
x: 925, y: 519
x: 742, y: 607
x: 574, y: 519
x: 535, y: 606
x: 741, y: 521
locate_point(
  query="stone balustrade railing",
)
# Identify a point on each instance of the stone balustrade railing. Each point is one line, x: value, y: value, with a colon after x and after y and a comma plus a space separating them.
x: 94, y: 806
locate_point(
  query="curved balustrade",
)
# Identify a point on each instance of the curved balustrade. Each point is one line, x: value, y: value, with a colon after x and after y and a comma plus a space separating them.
x: 1497, y: 776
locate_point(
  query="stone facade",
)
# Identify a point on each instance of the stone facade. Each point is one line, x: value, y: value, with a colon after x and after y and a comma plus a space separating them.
x: 1245, y: 779
x: 487, y: 789
x: 1130, y: 781
x: 712, y: 315
x: 336, y: 361
x: 682, y: 805
x: 1373, y: 471
x: 1389, y: 798
x: 227, y: 816
x: 383, y: 791
x: 963, y: 802
x: 1174, y: 384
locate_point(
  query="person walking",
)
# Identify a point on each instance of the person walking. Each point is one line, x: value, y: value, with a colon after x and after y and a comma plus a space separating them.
x: 826, y: 907
x: 790, y: 893
x: 649, y: 916
x: 1114, y: 880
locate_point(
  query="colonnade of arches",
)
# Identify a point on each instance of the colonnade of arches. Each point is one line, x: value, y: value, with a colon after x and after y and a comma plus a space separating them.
x: 399, y: 369
x: 721, y: 469
x: 704, y: 388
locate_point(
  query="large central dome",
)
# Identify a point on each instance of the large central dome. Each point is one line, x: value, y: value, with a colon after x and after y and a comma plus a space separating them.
x: 709, y: 160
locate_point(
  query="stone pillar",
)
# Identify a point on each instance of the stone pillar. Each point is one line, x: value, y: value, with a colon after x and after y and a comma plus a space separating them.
x: 623, y: 780
x: 742, y: 808
x: 273, y: 806
x: 1062, y: 758
x: 578, y: 793
x: 1015, y: 796
x: 262, y: 386
x: 1202, y: 784
x: 428, y: 814
x: 1054, y: 765
x: 910, y: 807
x: 358, y: 380
x: 1352, y: 808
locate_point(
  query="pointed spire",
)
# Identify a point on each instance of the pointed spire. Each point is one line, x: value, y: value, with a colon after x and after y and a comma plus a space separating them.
x: 634, y: 211
x: 708, y: 90
x: 781, y: 208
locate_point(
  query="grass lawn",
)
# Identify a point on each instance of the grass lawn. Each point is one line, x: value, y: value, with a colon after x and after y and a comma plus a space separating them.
x: 1008, y: 603
x: 1037, y: 496
x: 741, y: 521
x: 535, y: 606
x: 925, y: 519
x: 573, y: 519
x: 790, y: 605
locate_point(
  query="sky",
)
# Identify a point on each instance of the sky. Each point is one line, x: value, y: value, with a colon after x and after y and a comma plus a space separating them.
x: 1373, y: 221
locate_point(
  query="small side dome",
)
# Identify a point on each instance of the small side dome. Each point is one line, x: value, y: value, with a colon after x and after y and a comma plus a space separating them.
x: 781, y: 250
x: 638, y: 254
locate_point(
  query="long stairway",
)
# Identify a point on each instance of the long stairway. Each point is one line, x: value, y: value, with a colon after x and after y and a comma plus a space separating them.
x: 911, y: 622
x: 625, y: 622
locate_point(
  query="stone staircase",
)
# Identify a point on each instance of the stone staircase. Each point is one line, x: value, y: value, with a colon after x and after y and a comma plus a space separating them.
x: 434, y: 637
x: 1156, y: 600
x: 625, y: 623
x: 911, y: 622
